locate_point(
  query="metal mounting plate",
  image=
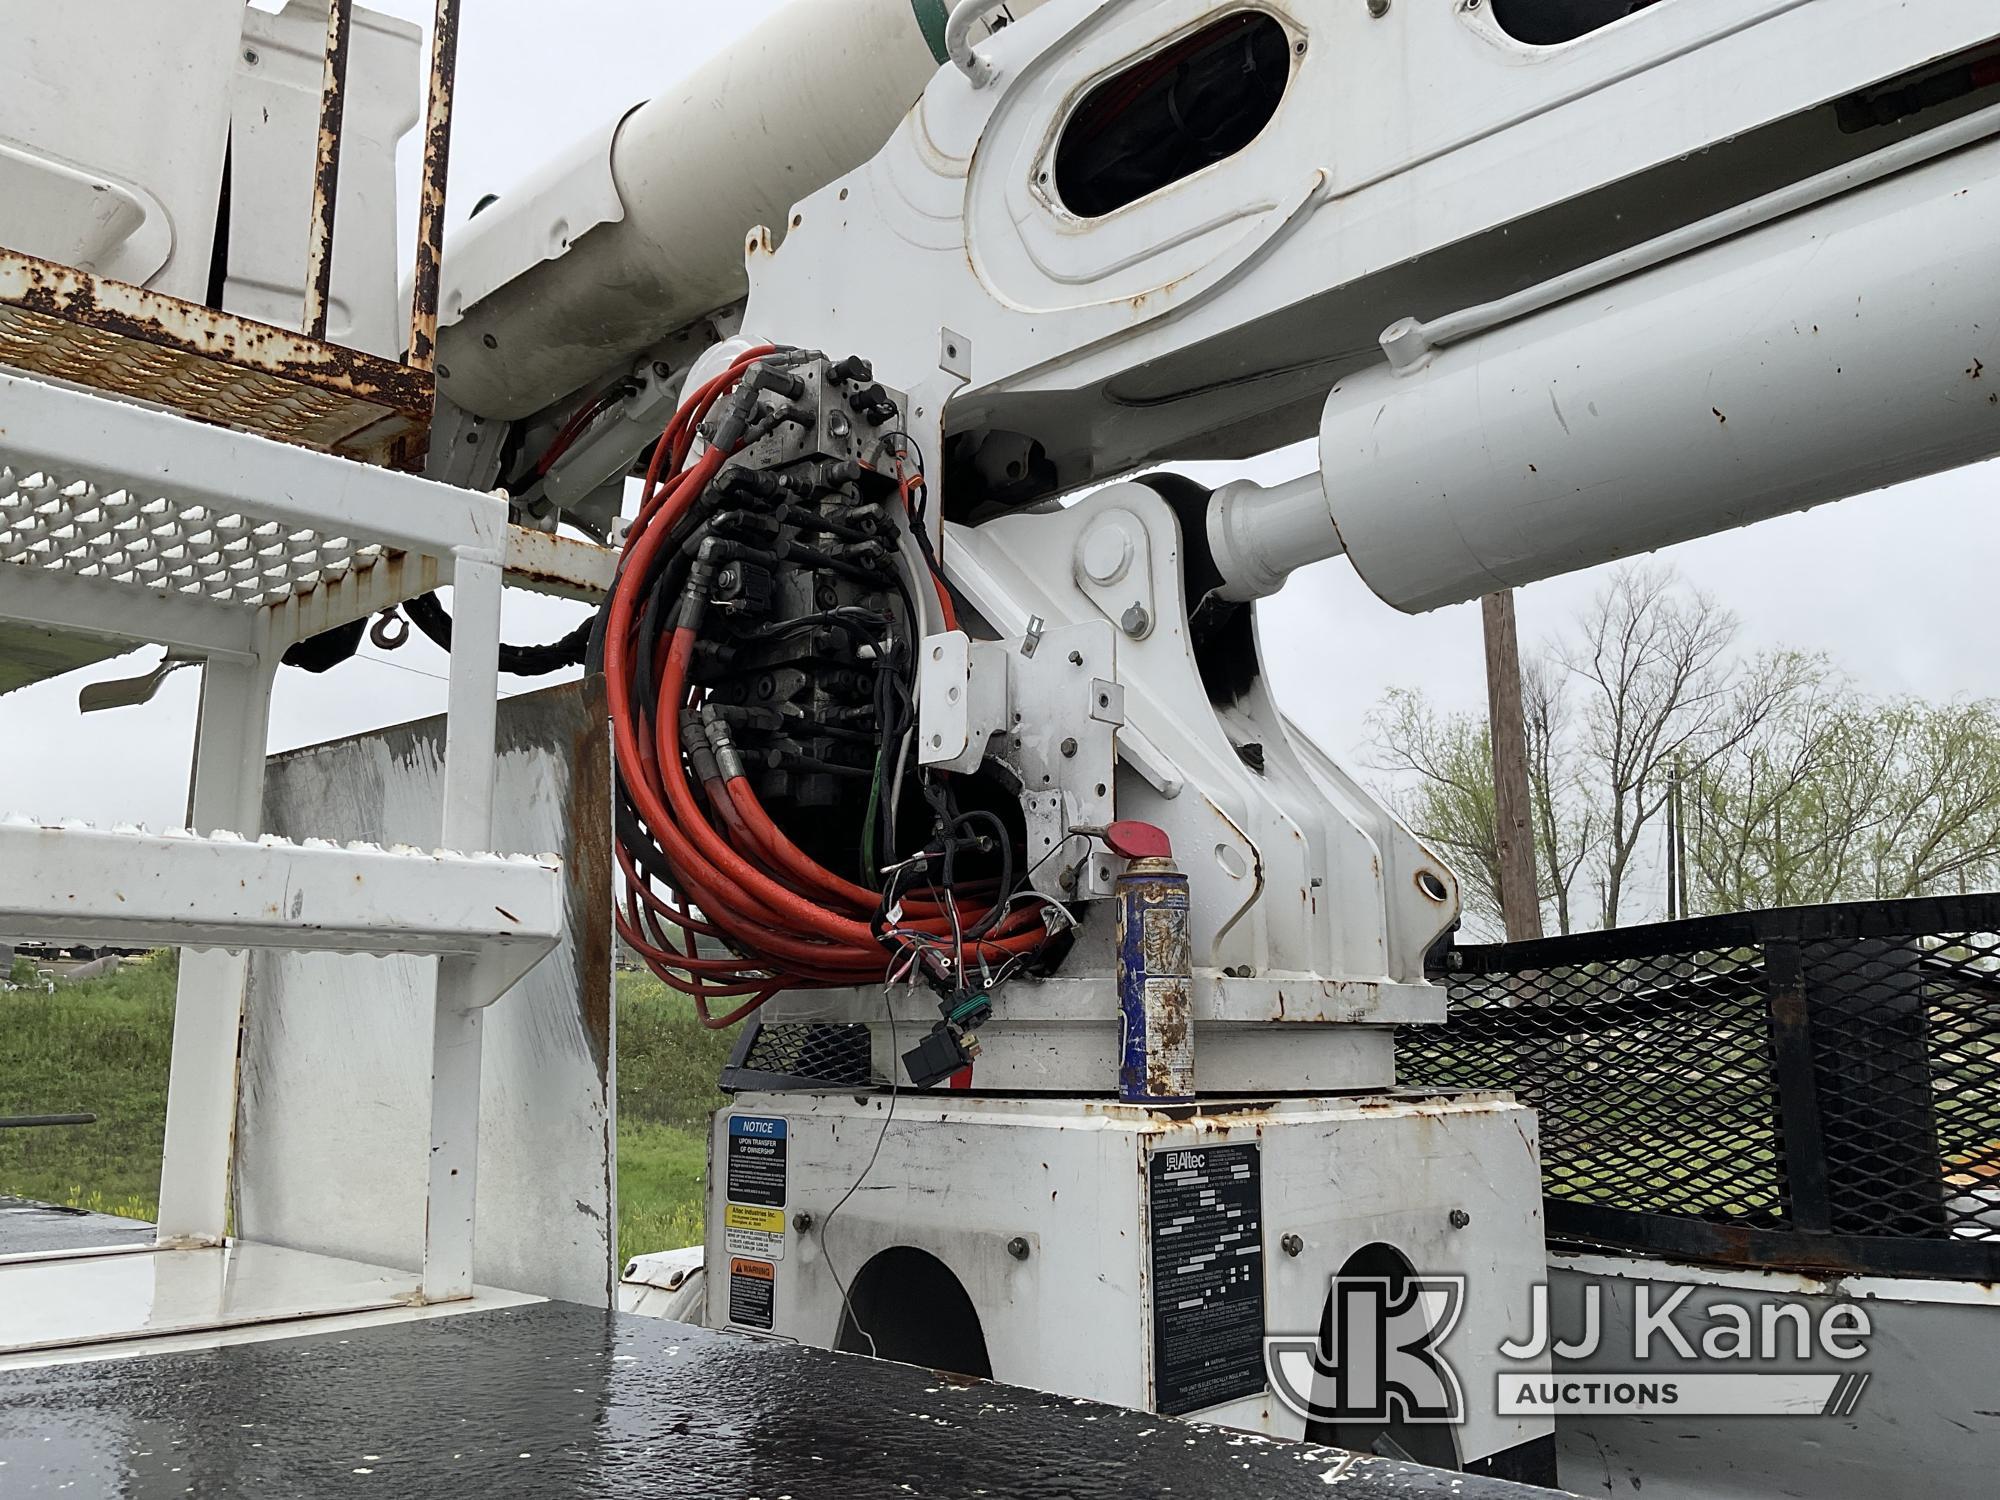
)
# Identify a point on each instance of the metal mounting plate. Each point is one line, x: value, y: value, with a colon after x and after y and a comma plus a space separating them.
x: 1046, y: 708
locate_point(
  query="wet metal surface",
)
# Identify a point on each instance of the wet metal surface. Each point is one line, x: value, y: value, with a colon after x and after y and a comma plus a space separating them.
x: 29, y: 1228
x: 70, y: 1300
x: 559, y: 1400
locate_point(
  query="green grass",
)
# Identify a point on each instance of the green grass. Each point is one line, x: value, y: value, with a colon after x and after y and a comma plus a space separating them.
x: 103, y: 1046
x: 99, y: 1047
x: 667, y: 1060
x: 667, y: 1066
x: 660, y: 1173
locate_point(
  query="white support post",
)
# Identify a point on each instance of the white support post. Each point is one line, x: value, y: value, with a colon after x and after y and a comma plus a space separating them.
x: 456, y: 1038
x: 208, y: 1011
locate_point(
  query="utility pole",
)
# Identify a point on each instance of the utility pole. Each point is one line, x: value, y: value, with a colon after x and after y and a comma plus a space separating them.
x: 1513, y: 811
x: 1673, y: 842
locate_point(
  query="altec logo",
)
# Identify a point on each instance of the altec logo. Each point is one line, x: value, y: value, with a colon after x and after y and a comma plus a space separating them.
x: 1386, y: 1361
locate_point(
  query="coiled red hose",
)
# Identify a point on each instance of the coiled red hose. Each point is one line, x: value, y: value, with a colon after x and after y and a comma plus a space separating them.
x: 706, y: 860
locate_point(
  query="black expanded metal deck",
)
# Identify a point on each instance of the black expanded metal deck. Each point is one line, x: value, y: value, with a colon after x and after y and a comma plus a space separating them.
x: 555, y: 1400
x: 1814, y: 1087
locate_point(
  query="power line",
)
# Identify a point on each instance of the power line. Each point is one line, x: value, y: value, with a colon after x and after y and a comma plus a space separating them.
x: 383, y: 661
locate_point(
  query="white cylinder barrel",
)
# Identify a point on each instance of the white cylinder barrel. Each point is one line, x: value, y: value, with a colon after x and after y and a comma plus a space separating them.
x: 1846, y: 348
x: 806, y: 97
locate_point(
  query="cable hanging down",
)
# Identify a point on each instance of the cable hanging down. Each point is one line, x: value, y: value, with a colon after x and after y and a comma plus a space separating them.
x: 759, y: 642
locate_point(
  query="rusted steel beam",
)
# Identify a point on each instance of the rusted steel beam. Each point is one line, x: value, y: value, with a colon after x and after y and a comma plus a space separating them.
x: 326, y: 168
x: 560, y: 565
x: 430, y: 205
x: 216, y: 366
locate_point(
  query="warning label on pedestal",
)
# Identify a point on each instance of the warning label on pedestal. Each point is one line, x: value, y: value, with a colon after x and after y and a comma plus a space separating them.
x: 1206, y: 1213
x: 753, y: 1286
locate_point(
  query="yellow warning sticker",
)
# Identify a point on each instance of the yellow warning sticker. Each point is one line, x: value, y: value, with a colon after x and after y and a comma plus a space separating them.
x: 750, y: 1230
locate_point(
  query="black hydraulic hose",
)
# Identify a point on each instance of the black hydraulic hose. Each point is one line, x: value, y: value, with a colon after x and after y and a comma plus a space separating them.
x: 433, y: 620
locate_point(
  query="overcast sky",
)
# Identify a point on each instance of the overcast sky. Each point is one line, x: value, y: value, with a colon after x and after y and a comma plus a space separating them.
x: 1897, y: 587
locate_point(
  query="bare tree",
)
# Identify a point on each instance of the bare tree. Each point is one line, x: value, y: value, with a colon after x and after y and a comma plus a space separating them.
x: 1565, y: 823
x: 1779, y: 821
x: 1660, y: 689
x: 1795, y: 788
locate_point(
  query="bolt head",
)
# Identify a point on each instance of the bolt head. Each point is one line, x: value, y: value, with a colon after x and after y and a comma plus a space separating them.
x: 1291, y: 1244
x: 1018, y: 1247
x: 1459, y: 1218
x: 1136, y: 620
x: 1076, y: 658
x: 1068, y: 748
x: 802, y: 1221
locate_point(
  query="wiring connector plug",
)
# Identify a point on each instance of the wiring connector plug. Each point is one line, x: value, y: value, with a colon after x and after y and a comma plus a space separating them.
x: 934, y: 1059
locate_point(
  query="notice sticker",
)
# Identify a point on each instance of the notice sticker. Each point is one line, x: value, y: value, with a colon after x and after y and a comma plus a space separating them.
x: 755, y: 1171
x: 753, y: 1213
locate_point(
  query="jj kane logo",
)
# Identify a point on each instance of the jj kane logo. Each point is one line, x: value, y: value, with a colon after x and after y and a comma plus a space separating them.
x: 1383, y: 1361
x: 1380, y: 1355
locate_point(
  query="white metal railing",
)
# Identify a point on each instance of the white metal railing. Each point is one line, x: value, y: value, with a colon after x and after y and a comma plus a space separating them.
x: 124, y: 522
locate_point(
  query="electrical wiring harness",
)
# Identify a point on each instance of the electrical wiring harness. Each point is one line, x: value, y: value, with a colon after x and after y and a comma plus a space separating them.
x: 759, y: 648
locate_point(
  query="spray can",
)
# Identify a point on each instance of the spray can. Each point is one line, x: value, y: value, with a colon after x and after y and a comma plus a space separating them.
x: 1155, y: 969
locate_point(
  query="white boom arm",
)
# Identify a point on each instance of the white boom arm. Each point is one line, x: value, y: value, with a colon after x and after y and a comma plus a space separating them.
x: 1542, y: 304
x: 1549, y: 281
x: 1508, y: 284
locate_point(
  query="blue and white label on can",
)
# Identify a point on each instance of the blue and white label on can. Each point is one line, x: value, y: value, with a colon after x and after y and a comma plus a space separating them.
x: 1155, y: 989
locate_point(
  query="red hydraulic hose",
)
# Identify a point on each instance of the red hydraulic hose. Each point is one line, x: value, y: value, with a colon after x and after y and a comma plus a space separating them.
x: 711, y: 861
